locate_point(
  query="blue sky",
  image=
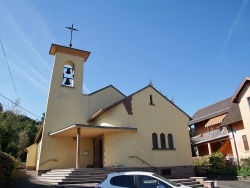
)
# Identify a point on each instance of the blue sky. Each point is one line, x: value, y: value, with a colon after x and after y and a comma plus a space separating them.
x: 195, y: 52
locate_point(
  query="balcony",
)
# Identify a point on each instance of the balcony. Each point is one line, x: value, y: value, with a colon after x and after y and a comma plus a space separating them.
x: 218, y: 133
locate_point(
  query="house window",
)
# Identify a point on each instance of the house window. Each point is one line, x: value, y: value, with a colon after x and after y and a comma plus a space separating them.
x: 163, y: 141
x: 154, y: 141
x: 170, y: 141
x: 245, y: 142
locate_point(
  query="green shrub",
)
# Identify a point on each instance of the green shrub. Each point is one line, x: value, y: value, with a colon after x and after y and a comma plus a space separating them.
x: 201, y: 165
x: 217, y: 160
x: 8, y: 166
x: 244, y: 171
x: 202, y: 170
x: 213, y: 164
x: 245, y: 162
x: 245, y: 167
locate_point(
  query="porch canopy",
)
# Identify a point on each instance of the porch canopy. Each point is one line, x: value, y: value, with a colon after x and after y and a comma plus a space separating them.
x: 215, y: 120
x: 89, y: 131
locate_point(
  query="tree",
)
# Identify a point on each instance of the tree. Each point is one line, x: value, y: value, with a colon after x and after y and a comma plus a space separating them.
x: 1, y: 107
x: 17, y: 131
x: 23, y: 142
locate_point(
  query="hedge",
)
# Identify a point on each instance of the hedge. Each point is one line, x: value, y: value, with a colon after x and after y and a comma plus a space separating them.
x: 8, y: 166
x: 213, y: 164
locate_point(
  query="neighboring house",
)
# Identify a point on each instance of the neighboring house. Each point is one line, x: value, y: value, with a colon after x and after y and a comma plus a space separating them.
x: 224, y: 126
x: 107, y: 128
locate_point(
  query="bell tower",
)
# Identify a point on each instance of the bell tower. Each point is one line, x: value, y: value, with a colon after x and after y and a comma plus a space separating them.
x: 66, y: 104
x: 68, y: 67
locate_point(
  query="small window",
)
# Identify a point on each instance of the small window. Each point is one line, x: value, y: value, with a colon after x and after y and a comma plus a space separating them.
x: 151, y: 100
x: 245, y: 142
x: 163, y: 141
x: 123, y: 181
x: 248, y: 100
x: 170, y: 141
x: 154, y: 140
x: 165, y: 172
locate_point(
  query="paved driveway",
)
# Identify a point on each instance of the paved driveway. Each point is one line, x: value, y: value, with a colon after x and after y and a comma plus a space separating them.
x: 232, y: 184
x: 27, y: 179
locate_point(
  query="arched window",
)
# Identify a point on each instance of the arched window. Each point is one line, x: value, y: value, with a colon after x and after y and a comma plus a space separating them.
x: 154, y: 141
x: 170, y: 141
x: 68, y: 74
x: 163, y: 141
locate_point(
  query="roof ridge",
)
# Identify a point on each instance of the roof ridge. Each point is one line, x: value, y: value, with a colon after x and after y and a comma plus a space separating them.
x: 106, y: 88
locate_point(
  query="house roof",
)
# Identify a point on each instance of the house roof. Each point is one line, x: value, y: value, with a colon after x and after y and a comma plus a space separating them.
x: 239, y: 89
x: 66, y: 50
x: 89, y: 130
x: 211, y: 111
x: 233, y: 115
x: 106, y: 88
x: 39, y: 134
x: 103, y: 110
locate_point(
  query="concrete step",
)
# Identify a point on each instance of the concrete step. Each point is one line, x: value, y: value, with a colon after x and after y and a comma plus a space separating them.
x: 69, y: 178
x: 74, y: 176
x: 188, y: 182
x: 71, y: 175
x: 84, y: 185
x: 91, y: 175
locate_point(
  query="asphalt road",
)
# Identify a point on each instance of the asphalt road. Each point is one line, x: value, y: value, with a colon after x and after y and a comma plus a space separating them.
x: 27, y: 179
x: 232, y: 184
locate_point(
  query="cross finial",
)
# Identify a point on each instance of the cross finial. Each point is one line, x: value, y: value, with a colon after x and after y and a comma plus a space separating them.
x: 71, y: 31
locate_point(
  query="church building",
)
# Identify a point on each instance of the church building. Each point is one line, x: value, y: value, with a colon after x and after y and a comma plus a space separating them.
x: 107, y: 129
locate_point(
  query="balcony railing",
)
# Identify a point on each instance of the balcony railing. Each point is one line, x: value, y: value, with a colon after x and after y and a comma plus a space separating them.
x: 210, y: 135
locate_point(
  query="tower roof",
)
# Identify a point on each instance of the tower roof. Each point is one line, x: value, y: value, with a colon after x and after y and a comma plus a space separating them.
x: 70, y: 51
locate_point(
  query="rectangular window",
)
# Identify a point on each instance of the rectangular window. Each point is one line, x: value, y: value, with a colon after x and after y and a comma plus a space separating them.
x: 245, y: 142
x: 151, y: 100
x: 248, y: 100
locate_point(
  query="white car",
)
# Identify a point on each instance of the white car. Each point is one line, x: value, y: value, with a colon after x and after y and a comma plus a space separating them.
x: 137, y: 180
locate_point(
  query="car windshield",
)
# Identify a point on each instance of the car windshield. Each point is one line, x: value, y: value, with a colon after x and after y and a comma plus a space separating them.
x: 166, y: 180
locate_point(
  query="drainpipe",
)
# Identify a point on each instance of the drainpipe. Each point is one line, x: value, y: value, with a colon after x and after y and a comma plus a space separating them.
x: 235, y: 145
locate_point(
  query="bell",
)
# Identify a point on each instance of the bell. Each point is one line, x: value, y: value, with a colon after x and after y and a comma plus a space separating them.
x: 68, y: 71
x: 67, y: 82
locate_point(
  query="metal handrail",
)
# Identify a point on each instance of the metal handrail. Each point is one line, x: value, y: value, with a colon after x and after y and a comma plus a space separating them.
x: 142, y: 161
x: 55, y: 160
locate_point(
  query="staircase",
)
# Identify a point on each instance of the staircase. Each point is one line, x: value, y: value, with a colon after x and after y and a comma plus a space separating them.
x: 74, y: 176
x: 188, y: 182
x: 89, y: 177
x: 80, y: 176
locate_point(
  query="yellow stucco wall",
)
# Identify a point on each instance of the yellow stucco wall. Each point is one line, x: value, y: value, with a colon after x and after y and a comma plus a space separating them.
x: 103, y: 98
x: 245, y: 111
x: 67, y: 106
x: 162, y: 117
x: 31, y: 156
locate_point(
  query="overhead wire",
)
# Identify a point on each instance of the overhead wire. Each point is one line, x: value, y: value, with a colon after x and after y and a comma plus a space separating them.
x: 20, y: 106
x: 8, y: 68
x: 13, y: 85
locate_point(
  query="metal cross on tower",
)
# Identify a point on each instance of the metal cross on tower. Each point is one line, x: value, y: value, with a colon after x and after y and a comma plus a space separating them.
x: 71, y: 31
